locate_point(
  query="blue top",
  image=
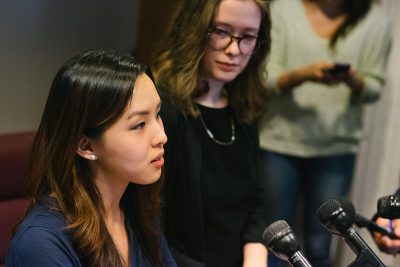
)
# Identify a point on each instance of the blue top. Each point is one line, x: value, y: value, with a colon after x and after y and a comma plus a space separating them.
x: 41, y: 240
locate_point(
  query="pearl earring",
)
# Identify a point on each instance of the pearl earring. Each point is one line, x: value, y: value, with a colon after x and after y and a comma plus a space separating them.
x: 93, y: 157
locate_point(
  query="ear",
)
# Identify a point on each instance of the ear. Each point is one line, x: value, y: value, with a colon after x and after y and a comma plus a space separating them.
x: 85, y: 148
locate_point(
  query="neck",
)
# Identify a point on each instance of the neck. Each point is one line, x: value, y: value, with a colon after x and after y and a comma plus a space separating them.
x: 331, y: 8
x: 114, y: 219
x: 111, y: 193
x: 215, y: 97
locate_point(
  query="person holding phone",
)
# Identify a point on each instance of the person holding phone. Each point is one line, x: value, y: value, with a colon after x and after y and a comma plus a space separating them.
x: 327, y: 60
x: 384, y: 243
x: 95, y: 170
x: 388, y: 217
x: 210, y: 69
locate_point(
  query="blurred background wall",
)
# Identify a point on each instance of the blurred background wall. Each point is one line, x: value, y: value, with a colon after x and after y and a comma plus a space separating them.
x: 37, y: 37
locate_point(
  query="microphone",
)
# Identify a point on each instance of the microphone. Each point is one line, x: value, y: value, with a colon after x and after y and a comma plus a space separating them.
x: 337, y: 215
x: 389, y: 207
x: 361, y: 221
x: 280, y: 239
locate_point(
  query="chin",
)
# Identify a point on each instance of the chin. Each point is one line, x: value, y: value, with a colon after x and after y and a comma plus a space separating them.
x: 154, y: 178
x: 226, y: 78
x: 147, y: 179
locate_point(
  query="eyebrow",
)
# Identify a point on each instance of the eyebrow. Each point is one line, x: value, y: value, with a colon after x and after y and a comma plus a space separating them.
x: 230, y: 26
x: 142, y: 112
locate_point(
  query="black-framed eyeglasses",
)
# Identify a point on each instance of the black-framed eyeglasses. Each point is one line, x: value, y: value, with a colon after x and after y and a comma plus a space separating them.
x: 219, y: 40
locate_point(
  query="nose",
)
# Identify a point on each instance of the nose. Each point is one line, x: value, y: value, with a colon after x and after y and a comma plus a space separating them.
x: 233, y: 47
x: 160, y: 138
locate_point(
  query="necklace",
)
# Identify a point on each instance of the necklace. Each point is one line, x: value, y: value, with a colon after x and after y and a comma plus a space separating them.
x: 215, y: 139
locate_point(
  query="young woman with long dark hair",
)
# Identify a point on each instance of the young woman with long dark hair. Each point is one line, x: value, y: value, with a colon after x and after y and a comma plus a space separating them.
x: 95, y: 169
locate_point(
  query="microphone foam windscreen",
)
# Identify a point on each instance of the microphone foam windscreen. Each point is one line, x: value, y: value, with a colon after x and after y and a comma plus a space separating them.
x: 388, y: 202
x: 383, y: 202
x: 325, y: 211
x: 347, y: 206
x: 331, y: 206
x: 273, y: 230
x: 389, y: 207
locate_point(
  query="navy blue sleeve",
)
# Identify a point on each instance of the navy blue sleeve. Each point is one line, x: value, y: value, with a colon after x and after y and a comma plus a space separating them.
x: 37, y: 247
x: 168, y: 260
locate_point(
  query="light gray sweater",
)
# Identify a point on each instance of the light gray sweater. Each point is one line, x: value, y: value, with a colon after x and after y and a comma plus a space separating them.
x: 314, y: 119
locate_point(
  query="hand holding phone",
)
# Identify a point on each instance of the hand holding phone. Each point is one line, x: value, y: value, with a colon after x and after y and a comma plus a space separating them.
x: 340, y: 68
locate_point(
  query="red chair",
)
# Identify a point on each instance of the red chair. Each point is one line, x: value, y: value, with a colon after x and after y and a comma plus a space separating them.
x: 14, y: 155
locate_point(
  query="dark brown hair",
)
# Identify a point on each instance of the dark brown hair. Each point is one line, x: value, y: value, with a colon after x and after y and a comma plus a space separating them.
x: 356, y: 10
x: 176, y: 67
x: 88, y: 94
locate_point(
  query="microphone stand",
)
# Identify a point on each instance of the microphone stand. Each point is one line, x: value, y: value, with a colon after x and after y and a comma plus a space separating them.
x: 365, y: 259
x: 365, y: 256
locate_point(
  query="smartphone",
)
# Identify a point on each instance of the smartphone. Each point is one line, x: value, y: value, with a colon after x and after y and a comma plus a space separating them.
x: 340, y: 68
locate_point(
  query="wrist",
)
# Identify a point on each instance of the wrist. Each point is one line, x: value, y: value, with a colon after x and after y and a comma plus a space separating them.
x: 292, y: 79
x: 254, y: 254
x: 356, y: 84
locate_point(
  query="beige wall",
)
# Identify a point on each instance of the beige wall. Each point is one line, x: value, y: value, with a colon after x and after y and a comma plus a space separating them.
x: 36, y: 37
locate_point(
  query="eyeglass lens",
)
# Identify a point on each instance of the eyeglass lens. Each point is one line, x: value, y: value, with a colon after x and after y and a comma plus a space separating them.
x: 221, y: 40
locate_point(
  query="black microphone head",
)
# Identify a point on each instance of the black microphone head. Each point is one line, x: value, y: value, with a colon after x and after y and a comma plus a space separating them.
x: 279, y: 238
x: 337, y: 215
x: 389, y: 207
x: 275, y: 231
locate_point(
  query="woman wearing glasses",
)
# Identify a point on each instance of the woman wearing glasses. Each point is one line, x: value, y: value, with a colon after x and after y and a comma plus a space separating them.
x: 210, y: 68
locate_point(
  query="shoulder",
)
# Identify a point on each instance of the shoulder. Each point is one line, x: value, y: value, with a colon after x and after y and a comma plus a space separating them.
x: 168, y: 109
x: 282, y: 4
x: 377, y: 18
x: 252, y: 135
x: 285, y: 14
x: 282, y: 8
x: 252, y: 128
x: 41, y: 238
x: 375, y: 28
x: 41, y: 219
x: 168, y: 259
x: 173, y: 118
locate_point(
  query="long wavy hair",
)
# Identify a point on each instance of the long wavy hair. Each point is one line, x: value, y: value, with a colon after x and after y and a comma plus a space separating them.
x: 88, y: 94
x: 356, y: 10
x: 177, y: 64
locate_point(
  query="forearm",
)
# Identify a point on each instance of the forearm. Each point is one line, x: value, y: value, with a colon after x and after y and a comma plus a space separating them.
x: 291, y: 79
x: 254, y: 254
x: 316, y: 72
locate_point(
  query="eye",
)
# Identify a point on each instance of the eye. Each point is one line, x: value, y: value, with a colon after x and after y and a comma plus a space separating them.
x: 139, y: 126
x: 249, y: 38
x: 221, y: 33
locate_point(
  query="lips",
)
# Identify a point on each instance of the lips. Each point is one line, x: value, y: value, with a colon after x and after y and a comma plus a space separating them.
x: 158, y: 162
x: 226, y: 66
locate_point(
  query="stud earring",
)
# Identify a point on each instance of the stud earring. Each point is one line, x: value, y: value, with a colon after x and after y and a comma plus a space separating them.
x: 93, y: 157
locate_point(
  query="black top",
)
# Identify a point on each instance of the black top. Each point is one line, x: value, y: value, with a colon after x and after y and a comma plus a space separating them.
x: 214, y: 196
x: 226, y: 187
